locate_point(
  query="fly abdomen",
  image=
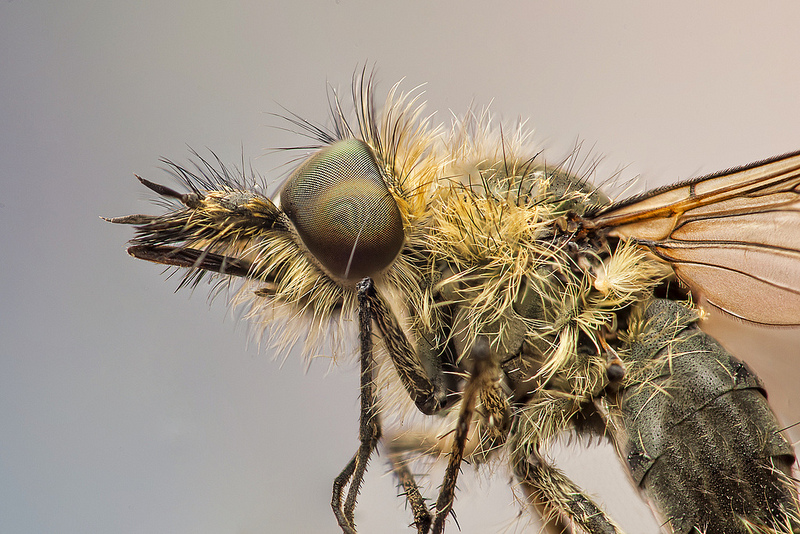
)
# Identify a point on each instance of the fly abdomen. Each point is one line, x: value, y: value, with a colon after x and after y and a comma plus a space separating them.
x: 701, y: 438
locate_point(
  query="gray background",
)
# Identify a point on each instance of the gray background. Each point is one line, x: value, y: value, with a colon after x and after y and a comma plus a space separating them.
x: 125, y: 408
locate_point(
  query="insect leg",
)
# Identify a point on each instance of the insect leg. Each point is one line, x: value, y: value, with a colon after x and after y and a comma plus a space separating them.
x: 429, y: 394
x: 495, y: 410
x: 551, y: 492
x: 369, y: 428
x: 425, y: 386
x: 339, y: 483
x: 422, y: 517
x: 482, y: 384
x: 554, y: 494
x: 444, y: 503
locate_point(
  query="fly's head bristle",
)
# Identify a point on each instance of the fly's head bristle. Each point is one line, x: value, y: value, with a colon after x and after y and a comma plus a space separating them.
x: 403, y: 140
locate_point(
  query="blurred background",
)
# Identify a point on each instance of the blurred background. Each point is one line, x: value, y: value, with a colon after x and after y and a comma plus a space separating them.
x: 126, y: 408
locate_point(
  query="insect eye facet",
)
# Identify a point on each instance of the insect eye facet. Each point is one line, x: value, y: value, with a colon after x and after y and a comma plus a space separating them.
x: 343, y: 211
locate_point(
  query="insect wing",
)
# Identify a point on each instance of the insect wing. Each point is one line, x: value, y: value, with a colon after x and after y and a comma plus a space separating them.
x: 732, y: 237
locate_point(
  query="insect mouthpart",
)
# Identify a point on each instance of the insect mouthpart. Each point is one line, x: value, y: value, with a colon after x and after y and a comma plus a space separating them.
x: 343, y: 211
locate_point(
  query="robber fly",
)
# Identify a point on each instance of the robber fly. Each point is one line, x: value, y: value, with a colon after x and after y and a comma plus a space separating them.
x: 512, y: 302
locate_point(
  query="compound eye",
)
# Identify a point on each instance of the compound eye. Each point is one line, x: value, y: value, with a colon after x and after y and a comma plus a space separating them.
x: 343, y: 211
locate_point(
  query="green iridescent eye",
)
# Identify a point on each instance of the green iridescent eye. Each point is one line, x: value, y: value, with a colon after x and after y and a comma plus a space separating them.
x: 343, y: 211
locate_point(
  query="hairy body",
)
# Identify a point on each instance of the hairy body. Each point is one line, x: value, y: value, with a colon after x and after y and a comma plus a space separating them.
x: 513, y: 302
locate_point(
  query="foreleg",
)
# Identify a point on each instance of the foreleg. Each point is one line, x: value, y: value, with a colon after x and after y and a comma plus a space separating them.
x: 369, y: 428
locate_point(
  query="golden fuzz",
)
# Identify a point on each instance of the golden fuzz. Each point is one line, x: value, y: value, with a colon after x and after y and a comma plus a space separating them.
x: 476, y: 200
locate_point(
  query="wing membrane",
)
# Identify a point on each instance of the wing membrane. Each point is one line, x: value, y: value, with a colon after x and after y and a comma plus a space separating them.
x: 732, y: 237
